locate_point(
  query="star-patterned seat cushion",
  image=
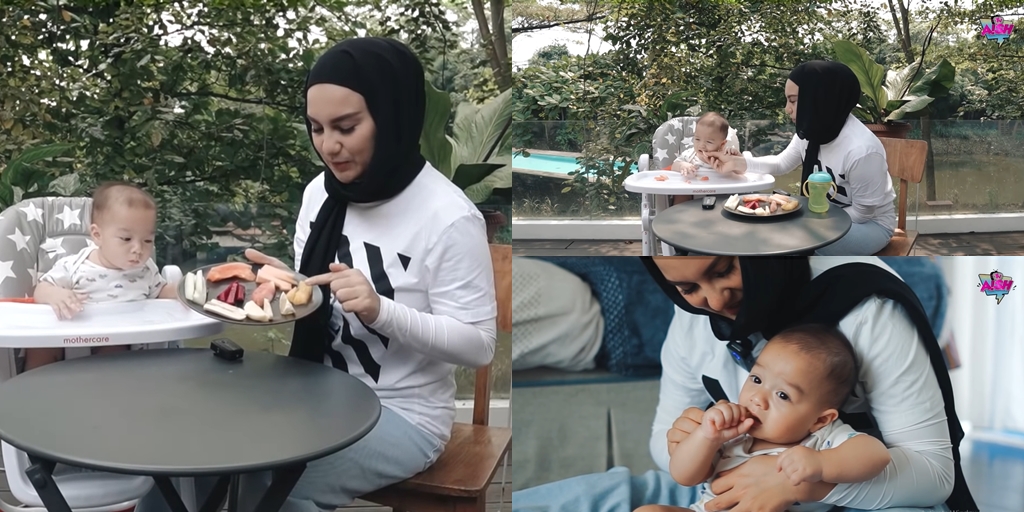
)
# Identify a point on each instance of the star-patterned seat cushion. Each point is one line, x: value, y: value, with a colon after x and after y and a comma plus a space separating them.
x: 676, y: 136
x: 34, y: 234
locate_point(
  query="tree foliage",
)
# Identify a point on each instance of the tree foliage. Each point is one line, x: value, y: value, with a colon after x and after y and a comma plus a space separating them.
x: 199, y: 102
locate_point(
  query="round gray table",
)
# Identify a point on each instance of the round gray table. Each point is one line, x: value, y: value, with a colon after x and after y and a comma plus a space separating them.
x: 184, y: 413
x: 690, y: 228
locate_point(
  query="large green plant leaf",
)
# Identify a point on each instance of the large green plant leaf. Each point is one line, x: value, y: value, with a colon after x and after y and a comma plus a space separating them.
x: 435, y: 145
x: 468, y: 175
x: 501, y: 178
x: 899, y: 82
x: 911, y: 106
x: 479, y: 131
x: 869, y: 73
x: 13, y: 173
x: 937, y: 82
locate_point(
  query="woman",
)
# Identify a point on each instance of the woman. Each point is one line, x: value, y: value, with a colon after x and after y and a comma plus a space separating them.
x: 900, y: 397
x: 830, y: 137
x: 403, y: 256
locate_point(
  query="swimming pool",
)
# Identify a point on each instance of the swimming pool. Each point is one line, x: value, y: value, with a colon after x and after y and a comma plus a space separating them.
x: 554, y: 164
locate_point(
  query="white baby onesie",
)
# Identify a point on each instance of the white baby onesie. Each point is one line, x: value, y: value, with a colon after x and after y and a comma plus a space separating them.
x: 737, y: 452
x: 102, y: 284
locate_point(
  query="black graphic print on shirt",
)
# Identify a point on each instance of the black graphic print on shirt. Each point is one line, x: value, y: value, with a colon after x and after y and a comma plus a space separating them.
x: 382, y: 283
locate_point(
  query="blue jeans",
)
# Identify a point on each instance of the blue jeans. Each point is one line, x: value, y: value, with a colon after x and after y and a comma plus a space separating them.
x: 617, y: 491
x: 393, y: 451
x: 862, y: 240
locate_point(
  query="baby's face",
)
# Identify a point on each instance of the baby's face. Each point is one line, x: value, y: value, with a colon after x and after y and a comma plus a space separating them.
x: 784, y: 394
x: 125, y: 236
x: 706, y: 139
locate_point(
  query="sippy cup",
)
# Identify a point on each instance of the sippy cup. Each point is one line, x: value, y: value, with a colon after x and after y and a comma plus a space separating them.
x: 819, y: 182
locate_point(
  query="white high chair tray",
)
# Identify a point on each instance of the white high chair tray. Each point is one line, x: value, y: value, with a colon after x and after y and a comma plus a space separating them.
x: 644, y: 183
x: 125, y: 323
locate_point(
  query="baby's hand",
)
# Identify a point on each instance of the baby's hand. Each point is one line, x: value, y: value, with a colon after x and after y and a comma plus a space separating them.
x: 725, y: 421
x: 800, y: 464
x: 66, y: 303
x: 685, y: 168
x: 732, y: 151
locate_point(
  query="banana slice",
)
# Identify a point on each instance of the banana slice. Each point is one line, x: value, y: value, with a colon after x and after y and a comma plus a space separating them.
x: 792, y: 205
x: 732, y: 202
x: 190, y: 287
x: 285, y: 305
x: 225, y: 310
x: 744, y: 209
x: 255, y: 312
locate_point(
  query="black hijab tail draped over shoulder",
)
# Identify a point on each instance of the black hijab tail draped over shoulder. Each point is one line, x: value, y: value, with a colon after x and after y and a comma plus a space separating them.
x: 828, y: 93
x: 834, y: 293
x: 390, y: 79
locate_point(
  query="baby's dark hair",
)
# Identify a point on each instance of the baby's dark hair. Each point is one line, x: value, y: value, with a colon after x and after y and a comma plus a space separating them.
x: 117, y: 193
x: 830, y: 347
x: 715, y: 121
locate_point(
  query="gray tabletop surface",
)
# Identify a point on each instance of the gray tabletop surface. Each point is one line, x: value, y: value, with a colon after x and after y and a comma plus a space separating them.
x: 689, y: 227
x: 185, y: 412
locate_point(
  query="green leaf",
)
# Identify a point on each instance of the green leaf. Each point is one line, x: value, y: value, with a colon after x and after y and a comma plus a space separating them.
x: 435, y: 145
x: 481, y: 192
x: 911, y: 106
x: 869, y: 73
x: 468, y: 175
x: 67, y: 185
x: 16, y: 167
x: 479, y: 130
x: 936, y: 83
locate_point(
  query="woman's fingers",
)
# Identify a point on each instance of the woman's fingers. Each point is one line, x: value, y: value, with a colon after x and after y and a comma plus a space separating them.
x: 336, y: 272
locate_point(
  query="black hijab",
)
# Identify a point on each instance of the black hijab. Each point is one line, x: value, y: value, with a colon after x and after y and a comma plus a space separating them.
x: 828, y: 93
x: 390, y: 78
x: 767, y: 281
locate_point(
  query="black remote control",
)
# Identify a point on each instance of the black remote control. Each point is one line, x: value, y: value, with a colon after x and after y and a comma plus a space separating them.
x: 226, y: 349
x: 781, y: 192
x: 709, y: 203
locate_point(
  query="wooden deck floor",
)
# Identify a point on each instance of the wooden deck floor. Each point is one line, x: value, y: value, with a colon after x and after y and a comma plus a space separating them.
x: 961, y: 244
x: 499, y: 495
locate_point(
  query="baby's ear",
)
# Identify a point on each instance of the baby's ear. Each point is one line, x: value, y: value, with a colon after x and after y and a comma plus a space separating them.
x: 826, y: 417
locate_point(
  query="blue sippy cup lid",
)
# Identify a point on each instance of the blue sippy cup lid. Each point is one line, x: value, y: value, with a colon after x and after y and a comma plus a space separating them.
x: 819, y: 176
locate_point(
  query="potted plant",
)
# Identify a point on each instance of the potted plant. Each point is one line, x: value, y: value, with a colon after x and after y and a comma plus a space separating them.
x: 889, y: 96
x: 477, y: 156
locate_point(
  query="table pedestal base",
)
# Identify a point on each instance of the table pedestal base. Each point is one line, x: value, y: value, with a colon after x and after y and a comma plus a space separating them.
x: 40, y: 473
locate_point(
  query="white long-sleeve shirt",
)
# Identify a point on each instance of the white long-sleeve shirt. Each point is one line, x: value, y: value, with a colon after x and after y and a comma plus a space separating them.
x: 896, y: 381
x: 856, y: 161
x: 425, y: 253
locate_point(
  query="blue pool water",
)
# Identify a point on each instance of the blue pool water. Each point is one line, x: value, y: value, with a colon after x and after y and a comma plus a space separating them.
x: 550, y: 163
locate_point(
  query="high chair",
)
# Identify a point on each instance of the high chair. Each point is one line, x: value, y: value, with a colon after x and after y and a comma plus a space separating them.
x: 34, y: 234
x: 670, y: 140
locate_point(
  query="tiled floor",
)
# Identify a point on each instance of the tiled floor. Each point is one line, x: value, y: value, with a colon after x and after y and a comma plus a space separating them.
x: 995, y: 475
x: 964, y: 244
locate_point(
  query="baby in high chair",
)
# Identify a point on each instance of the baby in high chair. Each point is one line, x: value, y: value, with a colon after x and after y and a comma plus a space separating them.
x: 116, y: 267
x: 711, y: 134
x: 788, y: 407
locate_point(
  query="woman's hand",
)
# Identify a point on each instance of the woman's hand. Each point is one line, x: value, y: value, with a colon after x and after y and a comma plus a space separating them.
x: 262, y: 259
x: 726, y: 163
x: 686, y: 424
x: 353, y: 291
x: 757, y: 485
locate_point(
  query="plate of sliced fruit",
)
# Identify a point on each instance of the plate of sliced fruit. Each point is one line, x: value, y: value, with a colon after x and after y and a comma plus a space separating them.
x: 248, y: 294
x: 761, y: 205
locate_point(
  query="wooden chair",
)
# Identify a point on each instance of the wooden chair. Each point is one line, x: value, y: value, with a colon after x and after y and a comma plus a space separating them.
x: 906, y: 159
x: 458, y: 481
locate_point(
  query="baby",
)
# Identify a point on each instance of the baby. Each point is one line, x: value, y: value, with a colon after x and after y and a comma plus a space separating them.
x: 116, y: 269
x: 711, y: 134
x: 788, y: 407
